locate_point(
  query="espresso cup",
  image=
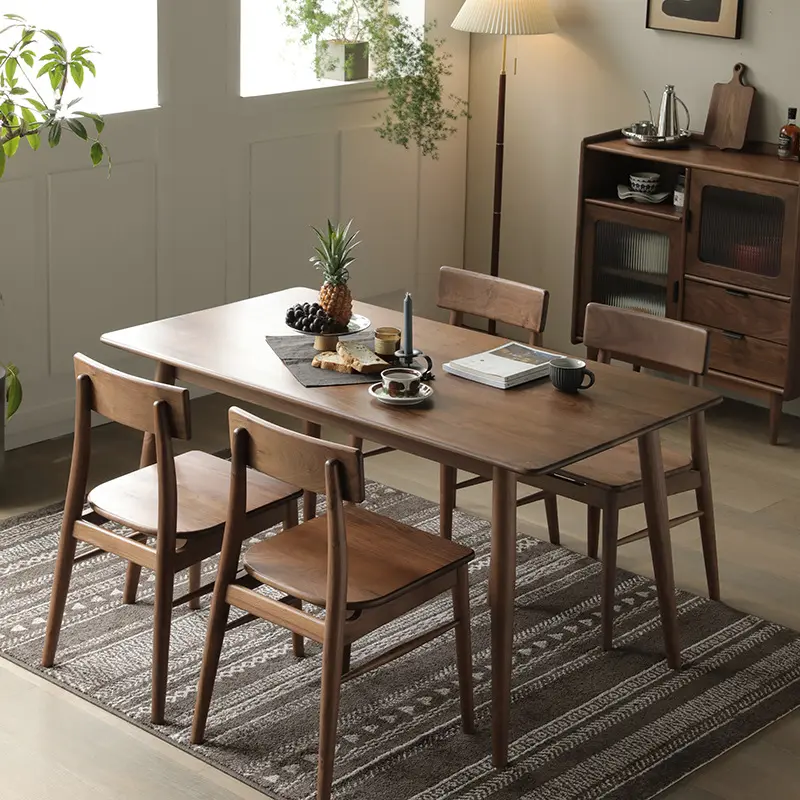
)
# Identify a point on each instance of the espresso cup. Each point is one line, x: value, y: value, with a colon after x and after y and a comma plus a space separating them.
x: 568, y: 375
x: 401, y: 382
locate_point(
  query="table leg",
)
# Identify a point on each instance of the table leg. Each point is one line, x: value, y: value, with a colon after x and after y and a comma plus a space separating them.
x: 501, y: 593
x: 656, y: 510
x: 165, y: 373
x: 309, y: 498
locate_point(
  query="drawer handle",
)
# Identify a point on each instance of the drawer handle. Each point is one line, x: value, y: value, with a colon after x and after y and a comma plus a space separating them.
x: 736, y: 293
x: 733, y: 335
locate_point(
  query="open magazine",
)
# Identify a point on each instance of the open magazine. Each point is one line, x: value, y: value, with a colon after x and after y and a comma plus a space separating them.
x: 504, y: 367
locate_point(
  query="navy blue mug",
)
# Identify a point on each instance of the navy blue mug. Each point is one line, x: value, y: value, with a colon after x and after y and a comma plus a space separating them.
x: 569, y: 375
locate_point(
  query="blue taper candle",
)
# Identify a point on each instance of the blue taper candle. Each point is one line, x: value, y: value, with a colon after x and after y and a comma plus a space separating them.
x: 408, y: 333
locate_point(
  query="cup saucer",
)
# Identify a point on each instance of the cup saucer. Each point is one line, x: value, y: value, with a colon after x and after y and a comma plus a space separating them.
x: 378, y: 392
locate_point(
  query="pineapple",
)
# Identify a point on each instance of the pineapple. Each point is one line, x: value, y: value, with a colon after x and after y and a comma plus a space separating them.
x: 333, y: 256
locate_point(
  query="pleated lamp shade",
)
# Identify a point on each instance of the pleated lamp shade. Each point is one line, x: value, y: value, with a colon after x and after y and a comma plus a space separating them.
x: 509, y: 17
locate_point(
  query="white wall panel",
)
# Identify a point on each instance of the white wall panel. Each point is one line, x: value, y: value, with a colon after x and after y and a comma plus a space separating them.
x: 379, y: 187
x: 23, y: 281
x: 102, y: 257
x: 293, y: 185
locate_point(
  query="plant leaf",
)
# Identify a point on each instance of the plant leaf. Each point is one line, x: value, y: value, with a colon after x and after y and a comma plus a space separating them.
x: 54, y: 134
x: 77, y: 73
x: 96, y: 153
x: 11, y: 146
x: 35, y: 141
x: 2, y: 162
x: 28, y: 58
x: 78, y: 128
x: 11, y: 68
x: 13, y: 391
x: 52, y: 35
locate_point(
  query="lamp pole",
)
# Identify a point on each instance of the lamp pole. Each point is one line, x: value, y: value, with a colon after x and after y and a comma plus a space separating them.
x: 499, y: 161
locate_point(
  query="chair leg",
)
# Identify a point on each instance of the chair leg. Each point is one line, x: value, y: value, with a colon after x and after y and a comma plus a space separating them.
x: 195, y: 575
x: 211, y: 653
x: 346, y: 654
x: 610, y: 533
x: 551, y: 509
x: 165, y: 580
x: 298, y: 643
x: 332, y: 662
x: 58, y: 595
x: 355, y: 441
x: 464, y: 649
x: 593, y: 530
x: 447, y: 499
x: 708, y: 536
x: 132, y: 575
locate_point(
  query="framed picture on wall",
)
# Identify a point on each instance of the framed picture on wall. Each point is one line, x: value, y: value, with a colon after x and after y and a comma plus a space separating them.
x: 706, y: 17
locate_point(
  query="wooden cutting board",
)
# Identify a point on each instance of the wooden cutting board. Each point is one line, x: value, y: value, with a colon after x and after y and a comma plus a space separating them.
x: 729, y: 112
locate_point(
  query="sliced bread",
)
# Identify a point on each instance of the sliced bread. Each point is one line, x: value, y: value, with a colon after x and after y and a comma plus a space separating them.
x: 330, y: 360
x: 360, y: 358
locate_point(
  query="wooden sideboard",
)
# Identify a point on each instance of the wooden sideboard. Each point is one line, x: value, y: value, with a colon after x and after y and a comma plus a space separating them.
x: 726, y: 261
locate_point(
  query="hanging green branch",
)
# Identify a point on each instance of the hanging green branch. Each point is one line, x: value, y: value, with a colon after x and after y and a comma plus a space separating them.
x: 409, y: 65
x: 25, y: 113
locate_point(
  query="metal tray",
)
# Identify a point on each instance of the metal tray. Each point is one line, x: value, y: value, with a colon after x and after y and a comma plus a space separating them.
x: 656, y: 142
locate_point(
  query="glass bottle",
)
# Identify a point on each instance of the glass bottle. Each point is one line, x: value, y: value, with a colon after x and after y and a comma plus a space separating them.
x: 789, y: 139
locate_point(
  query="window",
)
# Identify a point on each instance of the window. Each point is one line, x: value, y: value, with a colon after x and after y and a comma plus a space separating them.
x: 126, y: 34
x: 272, y: 58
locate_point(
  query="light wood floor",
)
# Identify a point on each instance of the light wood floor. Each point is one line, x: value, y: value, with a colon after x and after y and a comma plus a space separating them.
x: 56, y: 745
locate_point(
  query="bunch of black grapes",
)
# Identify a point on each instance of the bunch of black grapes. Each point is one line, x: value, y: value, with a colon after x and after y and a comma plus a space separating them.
x: 312, y: 318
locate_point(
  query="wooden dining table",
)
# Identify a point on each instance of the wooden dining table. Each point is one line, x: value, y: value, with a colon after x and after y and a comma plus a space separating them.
x: 529, y: 431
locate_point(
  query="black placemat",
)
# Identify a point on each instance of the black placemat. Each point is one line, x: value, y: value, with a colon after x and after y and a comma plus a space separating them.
x: 297, y: 352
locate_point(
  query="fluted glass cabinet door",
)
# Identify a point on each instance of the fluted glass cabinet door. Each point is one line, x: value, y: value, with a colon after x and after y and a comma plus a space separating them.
x: 740, y: 236
x: 631, y: 265
x: 628, y: 260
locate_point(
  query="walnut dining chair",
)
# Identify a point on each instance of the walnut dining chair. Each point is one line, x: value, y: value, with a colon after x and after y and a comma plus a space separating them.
x: 611, y: 481
x: 180, y: 502
x: 463, y: 292
x: 365, y: 570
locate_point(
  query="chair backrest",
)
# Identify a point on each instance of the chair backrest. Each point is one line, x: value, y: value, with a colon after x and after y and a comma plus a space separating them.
x: 130, y: 401
x: 644, y: 340
x: 297, y: 459
x: 464, y: 292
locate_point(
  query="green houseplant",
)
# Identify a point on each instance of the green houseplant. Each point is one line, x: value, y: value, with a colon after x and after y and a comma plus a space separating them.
x: 339, y: 36
x: 406, y: 62
x: 35, y: 71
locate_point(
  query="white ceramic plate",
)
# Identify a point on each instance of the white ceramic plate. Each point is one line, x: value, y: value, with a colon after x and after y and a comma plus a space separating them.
x: 357, y: 324
x: 377, y: 391
x: 626, y: 193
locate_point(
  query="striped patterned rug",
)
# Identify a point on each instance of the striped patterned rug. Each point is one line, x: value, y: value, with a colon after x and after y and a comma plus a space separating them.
x: 586, y: 724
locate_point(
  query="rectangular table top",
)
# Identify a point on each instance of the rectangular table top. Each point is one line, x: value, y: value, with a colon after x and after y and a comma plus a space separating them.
x: 530, y: 430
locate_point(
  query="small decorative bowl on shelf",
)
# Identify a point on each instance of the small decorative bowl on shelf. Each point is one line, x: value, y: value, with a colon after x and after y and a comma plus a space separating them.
x: 645, y: 182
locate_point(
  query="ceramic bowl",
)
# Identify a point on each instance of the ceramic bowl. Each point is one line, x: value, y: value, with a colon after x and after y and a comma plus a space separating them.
x: 645, y: 182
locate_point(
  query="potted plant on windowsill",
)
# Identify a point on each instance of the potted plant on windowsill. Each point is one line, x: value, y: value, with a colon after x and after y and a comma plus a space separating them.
x: 341, y: 49
x: 36, y: 69
x: 406, y: 63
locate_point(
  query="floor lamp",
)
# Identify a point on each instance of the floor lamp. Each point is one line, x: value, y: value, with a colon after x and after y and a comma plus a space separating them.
x: 504, y: 18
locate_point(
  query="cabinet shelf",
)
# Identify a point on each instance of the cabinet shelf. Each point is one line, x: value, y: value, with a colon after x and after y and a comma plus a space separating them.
x: 650, y: 278
x: 661, y: 211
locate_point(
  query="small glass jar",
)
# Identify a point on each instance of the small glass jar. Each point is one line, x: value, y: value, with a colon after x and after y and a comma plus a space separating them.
x: 387, y: 341
x: 679, y: 197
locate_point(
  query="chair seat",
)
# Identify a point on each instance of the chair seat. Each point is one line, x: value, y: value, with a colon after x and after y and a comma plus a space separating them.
x: 619, y: 468
x: 203, y: 486
x: 385, y: 559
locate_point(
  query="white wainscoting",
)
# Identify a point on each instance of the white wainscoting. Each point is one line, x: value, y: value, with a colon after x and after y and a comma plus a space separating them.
x: 210, y: 200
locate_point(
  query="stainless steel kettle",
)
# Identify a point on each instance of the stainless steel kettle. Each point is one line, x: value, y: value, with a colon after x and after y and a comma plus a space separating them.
x: 668, y: 123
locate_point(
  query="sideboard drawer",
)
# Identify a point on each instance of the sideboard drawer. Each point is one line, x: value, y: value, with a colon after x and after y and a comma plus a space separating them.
x: 751, y: 314
x: 748, y: 357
